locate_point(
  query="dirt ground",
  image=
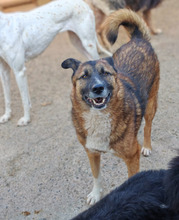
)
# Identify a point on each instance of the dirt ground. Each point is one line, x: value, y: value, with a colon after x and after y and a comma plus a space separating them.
x: 44, y: 171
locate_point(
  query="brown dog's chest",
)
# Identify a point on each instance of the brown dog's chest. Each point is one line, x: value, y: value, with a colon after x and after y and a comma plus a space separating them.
x: 98, y: 127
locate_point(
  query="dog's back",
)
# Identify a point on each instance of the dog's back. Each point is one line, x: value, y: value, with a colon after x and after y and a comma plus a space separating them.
x: 135, y: 5
x: 171, y: 183
x: 135, y: 60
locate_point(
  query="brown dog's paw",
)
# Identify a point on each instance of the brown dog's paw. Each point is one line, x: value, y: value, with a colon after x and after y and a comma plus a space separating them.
x: 146, y: 151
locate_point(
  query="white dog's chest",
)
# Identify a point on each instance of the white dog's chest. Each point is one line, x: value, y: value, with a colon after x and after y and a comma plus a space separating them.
x: 98, y: 126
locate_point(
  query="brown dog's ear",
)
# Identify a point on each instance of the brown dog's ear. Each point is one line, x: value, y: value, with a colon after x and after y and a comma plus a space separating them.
x: 71, y: 63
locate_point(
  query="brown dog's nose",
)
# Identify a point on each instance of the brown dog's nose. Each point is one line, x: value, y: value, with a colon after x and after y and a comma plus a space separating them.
x: 98, y: 89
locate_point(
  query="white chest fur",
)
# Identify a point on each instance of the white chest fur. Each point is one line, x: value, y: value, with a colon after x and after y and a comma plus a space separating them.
x: 98, y: 126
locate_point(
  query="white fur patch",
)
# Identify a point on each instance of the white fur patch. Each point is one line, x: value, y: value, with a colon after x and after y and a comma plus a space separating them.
x: 96, y: 192
x: 98, y: 125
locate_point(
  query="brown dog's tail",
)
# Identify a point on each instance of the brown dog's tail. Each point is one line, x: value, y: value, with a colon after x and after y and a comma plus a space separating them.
x: 135, y: 26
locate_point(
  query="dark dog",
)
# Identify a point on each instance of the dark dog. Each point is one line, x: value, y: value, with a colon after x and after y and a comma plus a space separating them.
x: 105, y: 7
x: 149, y: 195
x: 110, y: 96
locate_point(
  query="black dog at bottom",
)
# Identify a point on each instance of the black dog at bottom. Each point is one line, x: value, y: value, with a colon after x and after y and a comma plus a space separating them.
x: 148, y: 195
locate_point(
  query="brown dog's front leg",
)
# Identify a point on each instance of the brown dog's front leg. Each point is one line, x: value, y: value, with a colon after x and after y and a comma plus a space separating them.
x: 95, y: 195
x: 133, y: 162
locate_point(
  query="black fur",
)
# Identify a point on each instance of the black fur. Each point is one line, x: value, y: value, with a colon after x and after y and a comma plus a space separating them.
x: 137, y: 5
x: 71, y: 63
x: 171, y: 183
x: 112, y: 36
x: 116, y: 4
x: 149, y: 195
x: 134, y: 5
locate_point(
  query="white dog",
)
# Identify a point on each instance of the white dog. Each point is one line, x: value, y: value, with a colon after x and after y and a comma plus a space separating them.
x: 25, y: 35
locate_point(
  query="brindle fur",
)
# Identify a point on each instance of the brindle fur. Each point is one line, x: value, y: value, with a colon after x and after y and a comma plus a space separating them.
x: 134, y: 70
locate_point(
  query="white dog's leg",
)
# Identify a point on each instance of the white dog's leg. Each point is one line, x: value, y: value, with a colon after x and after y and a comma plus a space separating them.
x: 75, y: 40
x: 103, y: 50
x: 5, y: 78
x: 88, y: 47
x: 87, y: 35
x: 85, y: 30
x: 21, y: 79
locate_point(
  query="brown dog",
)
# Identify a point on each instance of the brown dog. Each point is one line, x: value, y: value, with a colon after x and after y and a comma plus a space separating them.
x: 111, y: 95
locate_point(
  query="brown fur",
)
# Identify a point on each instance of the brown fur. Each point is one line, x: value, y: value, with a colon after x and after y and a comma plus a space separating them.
x: 134, y: 76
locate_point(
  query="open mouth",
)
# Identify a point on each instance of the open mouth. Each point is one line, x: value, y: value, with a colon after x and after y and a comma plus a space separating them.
x: 98, y: 102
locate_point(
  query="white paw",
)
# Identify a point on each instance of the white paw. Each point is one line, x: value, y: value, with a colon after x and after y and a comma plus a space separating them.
x: 23, y: 121
x: 146, y: 152
x: 5, y: 118
x: 93, y: 197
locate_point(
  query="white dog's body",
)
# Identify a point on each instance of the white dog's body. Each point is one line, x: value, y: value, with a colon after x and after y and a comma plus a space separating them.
x: 25, y: 35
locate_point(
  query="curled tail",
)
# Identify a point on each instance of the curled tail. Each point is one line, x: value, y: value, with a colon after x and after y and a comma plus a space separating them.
x: 135, y: 26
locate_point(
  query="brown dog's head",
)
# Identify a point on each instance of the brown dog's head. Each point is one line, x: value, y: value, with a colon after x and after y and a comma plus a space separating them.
x: 93, y: 80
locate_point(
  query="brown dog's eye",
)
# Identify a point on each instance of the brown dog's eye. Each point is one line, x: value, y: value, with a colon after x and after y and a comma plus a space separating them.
x: 85, y: 75
x: 105, y: 73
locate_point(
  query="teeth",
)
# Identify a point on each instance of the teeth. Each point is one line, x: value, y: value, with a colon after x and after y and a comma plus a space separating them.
x: 96, y: 101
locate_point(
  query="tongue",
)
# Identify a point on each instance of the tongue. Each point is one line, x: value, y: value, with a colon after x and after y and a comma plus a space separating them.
x: 98, y: 100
